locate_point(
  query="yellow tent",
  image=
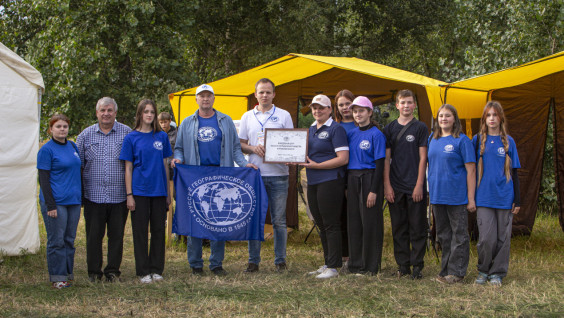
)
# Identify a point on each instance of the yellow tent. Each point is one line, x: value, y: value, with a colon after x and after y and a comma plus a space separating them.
x: 527, y: 93
x: 300, y: 77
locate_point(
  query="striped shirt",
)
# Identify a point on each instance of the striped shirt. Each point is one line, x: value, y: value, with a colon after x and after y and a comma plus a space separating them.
x: 103, y: 174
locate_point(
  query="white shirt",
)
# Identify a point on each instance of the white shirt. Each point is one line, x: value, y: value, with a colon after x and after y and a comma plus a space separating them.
x: 255, y: 121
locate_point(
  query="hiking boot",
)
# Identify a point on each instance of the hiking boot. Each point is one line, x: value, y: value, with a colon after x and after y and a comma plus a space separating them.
x: 198, y: 271
x: 328, y: 273
x: 481, y: 279
x: 281, y: 267
x: 252, y: 268
x: 219, y: 271
x: 318, y: 271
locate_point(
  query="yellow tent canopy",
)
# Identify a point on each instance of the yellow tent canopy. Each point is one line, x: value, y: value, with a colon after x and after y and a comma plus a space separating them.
x: 527, y: 93
x: 300, y: 77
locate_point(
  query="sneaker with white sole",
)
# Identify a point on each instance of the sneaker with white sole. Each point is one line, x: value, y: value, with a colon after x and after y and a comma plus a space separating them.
x: 157, y: 278
x: 60, y: 285
x: 318, y: 271
x: 328, y: 273
x: 147, y: 279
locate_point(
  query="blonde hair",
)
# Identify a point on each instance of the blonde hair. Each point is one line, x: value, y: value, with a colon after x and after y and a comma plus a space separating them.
x: 503, y: 134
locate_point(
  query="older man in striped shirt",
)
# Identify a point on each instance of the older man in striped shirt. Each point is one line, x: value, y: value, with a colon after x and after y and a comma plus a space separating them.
x: 103, y: 180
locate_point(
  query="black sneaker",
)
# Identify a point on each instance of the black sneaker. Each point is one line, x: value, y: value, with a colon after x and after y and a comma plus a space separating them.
x: 416, y: 273
x: 112, y: 278
x: 197, y: 271
x: 281, y: 267
x: 219, y: 271
x: 252, y: 268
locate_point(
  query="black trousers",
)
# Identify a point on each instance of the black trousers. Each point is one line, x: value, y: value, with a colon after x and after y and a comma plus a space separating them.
x: 325, y: 203
x: 366, y: 225
x: 409, y: 227
x: 149, y: 211
x: 98, y: 217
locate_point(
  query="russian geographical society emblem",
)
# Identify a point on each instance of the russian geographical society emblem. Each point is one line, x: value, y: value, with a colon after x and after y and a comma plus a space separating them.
x: 221, y: 203
x: 158, y: 145
x: 449, y: 148
x: 206, y: 134
x: 501, y: 152
x: 323, y: 135
x: 364, y: 145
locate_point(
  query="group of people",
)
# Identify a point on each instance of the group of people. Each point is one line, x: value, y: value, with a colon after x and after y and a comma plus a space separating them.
x: 351, y: 167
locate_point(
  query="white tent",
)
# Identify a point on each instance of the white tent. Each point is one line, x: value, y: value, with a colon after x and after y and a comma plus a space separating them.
x: 21, y: 87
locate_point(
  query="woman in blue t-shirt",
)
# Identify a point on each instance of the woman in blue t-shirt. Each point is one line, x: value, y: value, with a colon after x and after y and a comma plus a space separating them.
x: 452, y: 183
x: 145, y: 151
x: 367, y: 151
x: 328, y: 155
x: 497, y: 193
x: 58, y: 164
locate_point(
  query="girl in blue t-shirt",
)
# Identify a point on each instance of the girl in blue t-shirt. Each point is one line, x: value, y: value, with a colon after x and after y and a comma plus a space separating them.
x: 145, y: 151
x: 343, y: 116
x: 452, y: 183
x: 367, y: 151
x: 497, y: 193
x: 58, y: 164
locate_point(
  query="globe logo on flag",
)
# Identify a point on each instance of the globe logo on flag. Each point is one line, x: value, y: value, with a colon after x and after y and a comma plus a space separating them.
x: 221, y: 203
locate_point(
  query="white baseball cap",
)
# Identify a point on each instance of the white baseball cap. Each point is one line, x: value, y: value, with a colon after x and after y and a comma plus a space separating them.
x: 204, y: 87
x: 321, y: 100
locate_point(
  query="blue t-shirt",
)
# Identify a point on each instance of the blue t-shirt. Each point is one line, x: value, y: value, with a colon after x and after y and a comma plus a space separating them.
x: 322, y: 143
x: 63, y: 162
x: 365, y: 147
x: 147, y: 151
x: 447, y: 170
x: 494, y: 191
x: 348, y: 126
x: 209, y: 141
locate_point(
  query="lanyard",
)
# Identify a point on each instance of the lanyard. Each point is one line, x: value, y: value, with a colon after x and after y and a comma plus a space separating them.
x: 262, y: 124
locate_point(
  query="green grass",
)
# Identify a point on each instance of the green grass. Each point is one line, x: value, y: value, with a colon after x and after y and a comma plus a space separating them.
x: 533, y: 288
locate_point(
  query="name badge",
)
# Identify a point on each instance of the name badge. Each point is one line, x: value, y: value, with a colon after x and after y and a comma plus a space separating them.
x: 260, y: 138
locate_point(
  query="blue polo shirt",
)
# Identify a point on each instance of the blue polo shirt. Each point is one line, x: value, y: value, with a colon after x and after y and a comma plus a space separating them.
x: 365, y: 147
x: 323, y: 145
x: 494, y: 191
x: 63, y: 163
x: 447, y: 170
x: 147, y: 151
x: 209, y: 141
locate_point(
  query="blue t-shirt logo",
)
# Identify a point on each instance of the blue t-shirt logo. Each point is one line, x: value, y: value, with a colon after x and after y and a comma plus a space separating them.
x: 274, y: 119
x: 409, y: 138
x: 207, y: 134
x: 501, y: 152
x: 364, y: 145
x: 323, y: 135
x: 449, y: 148
x: 158, y: 145
x: 76, y: 155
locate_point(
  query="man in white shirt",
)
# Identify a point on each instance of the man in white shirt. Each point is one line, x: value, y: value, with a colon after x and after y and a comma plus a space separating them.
x: 275, y: 176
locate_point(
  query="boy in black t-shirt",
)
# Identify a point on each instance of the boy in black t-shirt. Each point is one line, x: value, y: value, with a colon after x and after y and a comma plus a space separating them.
x: 404, y: 185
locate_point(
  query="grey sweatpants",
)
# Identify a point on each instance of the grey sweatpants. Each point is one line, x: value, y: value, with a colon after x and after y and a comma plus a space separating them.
x: 452, y: 233
x: 495, y: 240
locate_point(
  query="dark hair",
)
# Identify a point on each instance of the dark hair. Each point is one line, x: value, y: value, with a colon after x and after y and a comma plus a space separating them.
x: 165, y: 116
x: 264, y: 81
x: 139, y: 115
x: 55, y: 118
x: 343, y: 93
x: 502, y: 133
x: 456, y: 128
x: 405, y: 93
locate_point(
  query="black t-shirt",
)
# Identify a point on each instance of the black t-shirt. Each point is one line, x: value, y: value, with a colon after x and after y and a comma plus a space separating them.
x: 404, y: 165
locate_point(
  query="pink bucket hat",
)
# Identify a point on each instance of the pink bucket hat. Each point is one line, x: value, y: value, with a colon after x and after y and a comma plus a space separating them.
x: 362, y: 101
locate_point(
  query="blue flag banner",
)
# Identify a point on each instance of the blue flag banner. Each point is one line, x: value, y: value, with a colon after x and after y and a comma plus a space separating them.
x: 219, y: 203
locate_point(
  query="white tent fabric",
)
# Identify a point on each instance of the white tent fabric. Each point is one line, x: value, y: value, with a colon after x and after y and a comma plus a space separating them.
x: 21, y: 86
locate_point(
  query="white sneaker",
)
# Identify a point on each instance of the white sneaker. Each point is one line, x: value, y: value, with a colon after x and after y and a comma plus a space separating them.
x: 318, y: 271
x: 328, y: 273
x: 147, y: 279
x: 157, y: 278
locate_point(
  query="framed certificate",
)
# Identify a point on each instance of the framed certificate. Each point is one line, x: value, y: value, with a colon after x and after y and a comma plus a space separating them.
x: 285, y: 145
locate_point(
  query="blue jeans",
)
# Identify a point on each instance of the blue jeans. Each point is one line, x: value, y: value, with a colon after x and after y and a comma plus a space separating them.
x: 277, y: 190
x: 61, y: 232
x: 195, y: 252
